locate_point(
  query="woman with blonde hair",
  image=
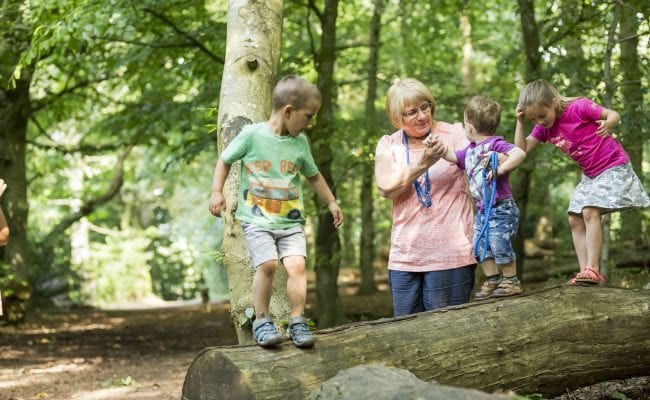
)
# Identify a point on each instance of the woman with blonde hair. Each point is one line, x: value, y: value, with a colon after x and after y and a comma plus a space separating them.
x: 431, y: 264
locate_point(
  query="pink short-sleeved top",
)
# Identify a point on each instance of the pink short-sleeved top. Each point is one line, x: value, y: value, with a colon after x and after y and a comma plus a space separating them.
x: 574, y: 132
x: 436, y: 238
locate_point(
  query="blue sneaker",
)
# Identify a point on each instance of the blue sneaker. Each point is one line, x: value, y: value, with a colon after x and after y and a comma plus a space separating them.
x: 265, y: 333
x: 300, y: 333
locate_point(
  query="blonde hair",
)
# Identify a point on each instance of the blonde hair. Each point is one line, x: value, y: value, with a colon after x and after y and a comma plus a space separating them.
x: 294, y: 90
x: 484, y: 113
x: 540, y: 93
x: 404, y: 92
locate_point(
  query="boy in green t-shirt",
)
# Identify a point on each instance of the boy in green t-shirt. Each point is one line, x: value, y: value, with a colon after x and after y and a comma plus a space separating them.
x: 273, y: 155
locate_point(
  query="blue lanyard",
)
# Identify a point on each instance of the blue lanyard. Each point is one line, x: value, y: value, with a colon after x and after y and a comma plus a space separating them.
x: 489, y: 197
x: 423, y: 194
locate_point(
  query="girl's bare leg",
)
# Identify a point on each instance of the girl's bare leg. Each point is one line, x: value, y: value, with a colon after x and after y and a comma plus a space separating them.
x: 579, y: 235
x: 594, y: 236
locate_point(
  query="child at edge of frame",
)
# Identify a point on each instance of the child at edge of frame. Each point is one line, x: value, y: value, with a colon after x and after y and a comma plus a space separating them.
x: 274, y: 154
x: 4, y: 231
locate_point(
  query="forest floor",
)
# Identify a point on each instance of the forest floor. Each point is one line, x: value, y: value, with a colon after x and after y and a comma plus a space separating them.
x: 144, y: 353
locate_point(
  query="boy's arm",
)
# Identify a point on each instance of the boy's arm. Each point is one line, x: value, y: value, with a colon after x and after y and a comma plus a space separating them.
x: 217, y: 199
x: 323, y: 191
x: 450, y: 155
x: 515, y: 157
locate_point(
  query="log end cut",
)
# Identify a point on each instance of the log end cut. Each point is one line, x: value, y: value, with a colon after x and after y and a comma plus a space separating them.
x: 213, y: 376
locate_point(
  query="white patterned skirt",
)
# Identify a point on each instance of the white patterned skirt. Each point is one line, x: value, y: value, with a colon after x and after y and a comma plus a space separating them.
x: 615, y: 189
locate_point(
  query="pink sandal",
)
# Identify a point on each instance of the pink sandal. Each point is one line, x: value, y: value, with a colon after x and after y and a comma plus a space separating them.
x: 589, y: 276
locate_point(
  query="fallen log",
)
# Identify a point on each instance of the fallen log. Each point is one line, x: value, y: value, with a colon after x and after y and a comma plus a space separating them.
x: 542, y: 342
x: 381, y: 382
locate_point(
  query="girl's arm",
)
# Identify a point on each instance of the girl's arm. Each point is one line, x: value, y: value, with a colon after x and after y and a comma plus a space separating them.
x: 527, y: 144
x: 608, y: 120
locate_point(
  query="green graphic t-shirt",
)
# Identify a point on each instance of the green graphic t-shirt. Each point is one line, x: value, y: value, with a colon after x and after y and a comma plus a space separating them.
x: 270, y: 191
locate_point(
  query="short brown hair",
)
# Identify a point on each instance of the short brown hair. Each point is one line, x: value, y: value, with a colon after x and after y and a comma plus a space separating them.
x: 293, y: 90
x: 484, y: 113
x: 403, y: 92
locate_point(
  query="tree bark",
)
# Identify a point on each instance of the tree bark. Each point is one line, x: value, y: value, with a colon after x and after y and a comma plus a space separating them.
x: 250, y: 72
x: 373, y: 382
x: 524, y: 173
x: 15, y: 111
x: 327, y: 259
x: 633, y: 130
x: 544, y: 342
x: 366, y: 198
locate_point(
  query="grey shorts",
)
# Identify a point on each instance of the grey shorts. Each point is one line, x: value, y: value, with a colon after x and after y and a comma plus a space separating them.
x: 615, y: 189
x: 274, y: 244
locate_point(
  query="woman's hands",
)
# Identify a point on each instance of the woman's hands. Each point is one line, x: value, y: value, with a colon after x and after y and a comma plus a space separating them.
x: 436, y: 150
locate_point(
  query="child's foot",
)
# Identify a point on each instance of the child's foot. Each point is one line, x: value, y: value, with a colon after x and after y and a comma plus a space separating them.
x: 300, y: 333
x: 265, y: 333
x: 508, y: 287
x: 488, y: 288
x: 588, y: 276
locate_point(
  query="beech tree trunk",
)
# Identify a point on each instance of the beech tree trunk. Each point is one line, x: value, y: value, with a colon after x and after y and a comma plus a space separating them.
x: 249, y: 75
x: 544, y: 342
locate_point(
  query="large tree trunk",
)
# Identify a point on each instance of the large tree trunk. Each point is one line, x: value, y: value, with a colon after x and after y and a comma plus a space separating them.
x: 327, y: 259
x: 366, y: 198
x: 524, y: 173
x: 250, y: 72
x: 633, y: 130
x: 544, y: 342
x: 15, y: 111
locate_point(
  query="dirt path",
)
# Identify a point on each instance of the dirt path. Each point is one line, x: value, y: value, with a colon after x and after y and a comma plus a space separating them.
x: 101, y: 355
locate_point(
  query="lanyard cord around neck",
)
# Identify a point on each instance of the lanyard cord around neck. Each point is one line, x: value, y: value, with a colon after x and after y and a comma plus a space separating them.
x: 423, y: 194
x: 489, y: 197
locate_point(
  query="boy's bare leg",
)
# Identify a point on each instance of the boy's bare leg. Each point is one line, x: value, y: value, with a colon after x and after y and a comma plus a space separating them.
x: 296, y: 283
x: 262, y: 288
x: 489, y: 267
x: 509, y: 270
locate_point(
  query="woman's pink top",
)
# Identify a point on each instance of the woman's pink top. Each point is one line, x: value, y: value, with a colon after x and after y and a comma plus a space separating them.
x: 436, y: 238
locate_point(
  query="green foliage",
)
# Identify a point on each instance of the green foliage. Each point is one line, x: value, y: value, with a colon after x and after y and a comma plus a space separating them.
x: 145, y: 76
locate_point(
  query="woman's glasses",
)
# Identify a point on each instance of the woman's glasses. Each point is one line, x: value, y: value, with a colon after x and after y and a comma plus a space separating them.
x: 412, y: 113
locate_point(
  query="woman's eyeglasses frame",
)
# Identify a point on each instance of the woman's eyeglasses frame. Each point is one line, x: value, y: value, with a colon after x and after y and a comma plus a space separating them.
x: 414, y: 112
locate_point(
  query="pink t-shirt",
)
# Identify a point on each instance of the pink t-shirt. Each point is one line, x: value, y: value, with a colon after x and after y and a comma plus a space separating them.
x: 436, y: 238
x: 574, y: 132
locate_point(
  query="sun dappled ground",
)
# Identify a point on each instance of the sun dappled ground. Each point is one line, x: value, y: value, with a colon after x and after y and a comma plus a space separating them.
x: 97, y: 355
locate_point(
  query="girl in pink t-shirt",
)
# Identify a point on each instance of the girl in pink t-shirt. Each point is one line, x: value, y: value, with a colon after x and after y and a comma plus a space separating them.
x: 581, y: 129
